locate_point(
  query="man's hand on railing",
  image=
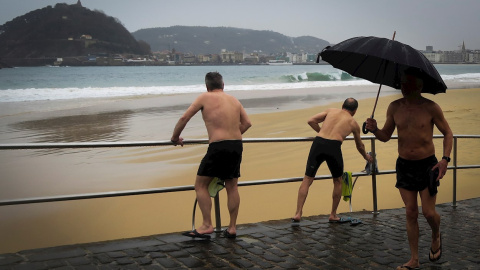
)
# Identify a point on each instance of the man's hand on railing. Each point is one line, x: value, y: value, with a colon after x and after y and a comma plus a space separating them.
x: 369, y: 158
x: 177, y: 141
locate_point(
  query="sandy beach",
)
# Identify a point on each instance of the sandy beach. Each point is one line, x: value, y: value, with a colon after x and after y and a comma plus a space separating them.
x: 274, y: 114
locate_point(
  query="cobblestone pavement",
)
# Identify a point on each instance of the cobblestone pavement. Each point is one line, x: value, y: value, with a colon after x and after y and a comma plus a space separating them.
x: 380, y: 242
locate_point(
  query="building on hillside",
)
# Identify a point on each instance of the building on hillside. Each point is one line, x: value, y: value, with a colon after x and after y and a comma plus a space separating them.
x: 189, y: 59
x: 231, y: 57
x: 251, y: 58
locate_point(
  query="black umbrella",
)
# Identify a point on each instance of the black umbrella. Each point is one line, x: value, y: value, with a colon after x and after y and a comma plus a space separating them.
x: 382, y: 61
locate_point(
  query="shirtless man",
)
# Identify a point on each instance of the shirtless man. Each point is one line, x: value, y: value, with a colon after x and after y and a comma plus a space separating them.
x: 414, y: 117
x: 337, y: 125
x: 226, y: 121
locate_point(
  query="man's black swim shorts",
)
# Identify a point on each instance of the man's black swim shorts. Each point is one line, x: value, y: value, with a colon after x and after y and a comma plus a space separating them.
x: 325, y: 150
x: 413, y: 174
x: 222, y: 160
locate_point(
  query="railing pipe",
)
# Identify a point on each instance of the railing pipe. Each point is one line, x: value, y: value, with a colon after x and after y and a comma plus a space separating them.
x: 374, y: 178
x: 454, y: 199
x: 218, y: 219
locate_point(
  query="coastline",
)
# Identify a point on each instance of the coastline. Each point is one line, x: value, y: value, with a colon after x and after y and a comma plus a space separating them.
x: 283, y: 115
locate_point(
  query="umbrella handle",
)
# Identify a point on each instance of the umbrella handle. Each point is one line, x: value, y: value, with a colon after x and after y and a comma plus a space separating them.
x: 364, y: 128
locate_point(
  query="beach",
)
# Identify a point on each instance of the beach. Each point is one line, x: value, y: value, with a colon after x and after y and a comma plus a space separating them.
x: 274, y: 114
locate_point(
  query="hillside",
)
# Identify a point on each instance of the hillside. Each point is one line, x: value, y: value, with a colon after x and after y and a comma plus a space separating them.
x: 65, y: 31
x: 211, y: 40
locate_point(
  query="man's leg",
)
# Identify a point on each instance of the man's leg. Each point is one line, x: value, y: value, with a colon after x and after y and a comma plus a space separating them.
x: 411, y: 207
x: 336, y: 196
x: 302, y: 195
x: 433, y: 219
x: 233, y: 203
x: 204, y: 202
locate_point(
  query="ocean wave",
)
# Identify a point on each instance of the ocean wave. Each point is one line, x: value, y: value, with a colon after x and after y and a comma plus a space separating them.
x: 318, y: 77
x: 37, y: 94
x: 468, y: 77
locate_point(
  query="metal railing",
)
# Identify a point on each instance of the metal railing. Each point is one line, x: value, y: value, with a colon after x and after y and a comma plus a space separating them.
x: 455, y: 167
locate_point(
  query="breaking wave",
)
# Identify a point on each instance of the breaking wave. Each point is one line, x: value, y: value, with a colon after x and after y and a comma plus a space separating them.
x: 318, y: 77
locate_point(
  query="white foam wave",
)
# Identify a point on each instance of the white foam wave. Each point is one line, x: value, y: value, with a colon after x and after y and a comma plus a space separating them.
x: 468, y: 77
x: 36, y: 94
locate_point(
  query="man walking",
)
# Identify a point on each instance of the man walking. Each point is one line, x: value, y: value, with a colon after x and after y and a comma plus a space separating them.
x: 337, y: 125
x: 414, y: 117
x: 226, y: 121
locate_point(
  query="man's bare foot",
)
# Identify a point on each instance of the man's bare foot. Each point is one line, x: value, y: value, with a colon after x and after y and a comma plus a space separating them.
x: 205, y: 230
x: 406, y: 267
x: 412, y: 264
x: 333, y: 217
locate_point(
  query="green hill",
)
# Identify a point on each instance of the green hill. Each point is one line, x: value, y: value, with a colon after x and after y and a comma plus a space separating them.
x: 211, y: 40
x: 66, y: 31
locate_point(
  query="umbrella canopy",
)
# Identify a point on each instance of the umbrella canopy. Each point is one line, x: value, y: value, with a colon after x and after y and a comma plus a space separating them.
x: 382, y: 61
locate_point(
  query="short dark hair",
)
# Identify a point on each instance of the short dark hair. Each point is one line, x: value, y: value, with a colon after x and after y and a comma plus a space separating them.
x: 417, y: 73
x: 350, y: 104
x: 414, y: 72
x: 213, y: 80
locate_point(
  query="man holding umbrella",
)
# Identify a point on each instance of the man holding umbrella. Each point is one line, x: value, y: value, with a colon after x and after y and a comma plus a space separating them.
x: 398, y: 65
x: 414, y: 117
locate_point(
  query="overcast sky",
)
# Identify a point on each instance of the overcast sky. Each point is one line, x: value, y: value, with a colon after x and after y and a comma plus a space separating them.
x: 443, y: 24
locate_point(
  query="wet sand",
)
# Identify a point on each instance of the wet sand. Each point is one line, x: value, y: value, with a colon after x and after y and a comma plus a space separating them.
x: 38, y: 173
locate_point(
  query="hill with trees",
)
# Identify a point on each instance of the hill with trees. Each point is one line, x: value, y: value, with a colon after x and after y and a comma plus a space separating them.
x: 211, y: 40
x: 66, y: 31
x: 74, y: 35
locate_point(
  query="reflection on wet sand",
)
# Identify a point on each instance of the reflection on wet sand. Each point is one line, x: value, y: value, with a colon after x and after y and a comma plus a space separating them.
x: 77, y: 128
x: 109, y: 126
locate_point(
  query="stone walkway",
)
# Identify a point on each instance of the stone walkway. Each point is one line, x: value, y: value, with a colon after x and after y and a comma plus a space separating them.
x: 380, y: 242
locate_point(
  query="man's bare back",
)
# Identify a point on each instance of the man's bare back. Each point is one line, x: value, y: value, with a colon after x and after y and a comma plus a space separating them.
x: 337, y: 124
x: 222, y: 114
x: 224, y: 117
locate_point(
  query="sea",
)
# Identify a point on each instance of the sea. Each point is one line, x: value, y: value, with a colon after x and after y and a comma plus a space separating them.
x: 64, y: 83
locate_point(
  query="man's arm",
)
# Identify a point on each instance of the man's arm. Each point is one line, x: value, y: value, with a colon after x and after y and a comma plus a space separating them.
x: 182, y: 122
x: 359, y: 143
x: 316, y: 119
x: 245, y: 123
x: 441, y: 123
x: 386, y: 132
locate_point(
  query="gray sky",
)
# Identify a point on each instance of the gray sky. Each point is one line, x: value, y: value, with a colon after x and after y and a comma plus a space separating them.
x: 443, y: 24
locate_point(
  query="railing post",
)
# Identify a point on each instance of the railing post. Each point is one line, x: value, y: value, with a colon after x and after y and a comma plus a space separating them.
x: 454, y: 172
x: 193, y: 215
x: 218, y: 221
x: 374, y: 179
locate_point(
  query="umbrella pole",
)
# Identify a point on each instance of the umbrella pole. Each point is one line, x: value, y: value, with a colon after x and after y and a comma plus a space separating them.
x: 364, y: 128
x: 376, y: 100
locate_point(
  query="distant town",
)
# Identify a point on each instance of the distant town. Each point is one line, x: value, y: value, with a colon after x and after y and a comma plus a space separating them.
x: 225, y: 57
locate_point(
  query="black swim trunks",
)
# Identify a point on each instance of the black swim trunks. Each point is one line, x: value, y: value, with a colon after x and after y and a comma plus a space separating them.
x: 325, y: 150
x: 222, y: 160
x: 413, y: 174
